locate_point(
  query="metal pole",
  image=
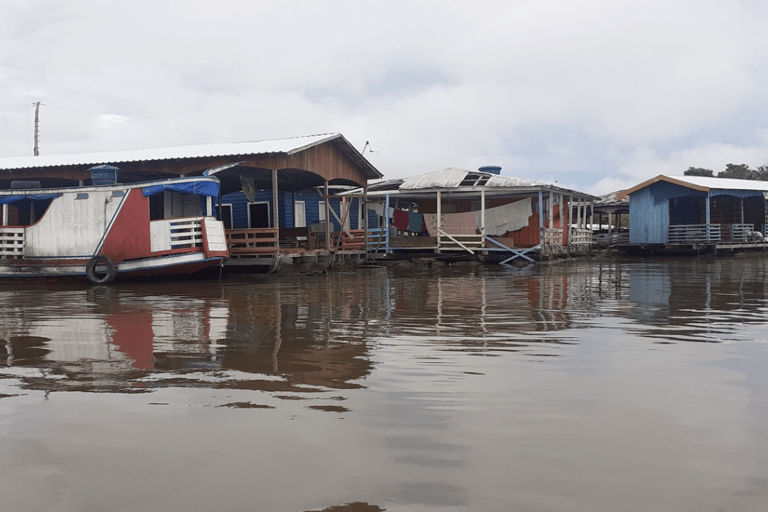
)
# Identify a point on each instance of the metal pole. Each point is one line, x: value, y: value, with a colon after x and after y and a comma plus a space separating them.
x: 37, y: 129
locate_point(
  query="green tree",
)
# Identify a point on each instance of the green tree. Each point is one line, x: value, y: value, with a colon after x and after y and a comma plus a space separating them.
x: 762, y: 173
x: 698, y: 171
x: 737, y: 171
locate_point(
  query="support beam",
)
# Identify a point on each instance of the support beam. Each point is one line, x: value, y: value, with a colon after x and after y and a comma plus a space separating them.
x: 275, y: 208
x: 439, y: 214
x: 482, y: 213
x: 563, y: 227
x: 551, y: 210
x: 541, y: 214
x: 386, y: 222
x: 327, y: 217
x: 365, y: 221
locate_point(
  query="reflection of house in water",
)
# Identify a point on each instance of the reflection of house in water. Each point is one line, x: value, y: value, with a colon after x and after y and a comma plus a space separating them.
x: 114, y: 340
x: 497, y: 309
x: 670, y: 293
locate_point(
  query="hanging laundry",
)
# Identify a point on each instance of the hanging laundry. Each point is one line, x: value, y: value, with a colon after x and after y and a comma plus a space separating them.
x: 510, y: 217
x: 452, y: 223
x: 400, y: 220
x: 415, y: 221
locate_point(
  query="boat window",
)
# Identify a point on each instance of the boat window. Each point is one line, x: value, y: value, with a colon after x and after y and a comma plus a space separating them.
x: 175, y: 205
x: 24, y: 212
x: 82, y: 196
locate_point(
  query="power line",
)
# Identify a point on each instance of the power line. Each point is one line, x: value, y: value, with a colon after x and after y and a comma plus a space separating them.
x: 17, y: 113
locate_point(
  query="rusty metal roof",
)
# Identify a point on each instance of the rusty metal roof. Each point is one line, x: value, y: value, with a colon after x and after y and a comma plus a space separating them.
x: 466, y: 181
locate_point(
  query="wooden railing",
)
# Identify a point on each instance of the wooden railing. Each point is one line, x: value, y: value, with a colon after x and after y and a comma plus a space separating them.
x: 693, y: 233
x: 11, y: 242
x: 580, y: 236
x: 606, y: 239
x: 552, y: 236
x: 252, y: 241
x: 739, y: 233
x: 176, y: 233
x: 351, y: 240
x: 699, y: 233
x: 452, y: 242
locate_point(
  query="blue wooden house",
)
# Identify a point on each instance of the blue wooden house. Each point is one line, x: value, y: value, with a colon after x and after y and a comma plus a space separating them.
x: 695, y: 211
x: 296, y: 209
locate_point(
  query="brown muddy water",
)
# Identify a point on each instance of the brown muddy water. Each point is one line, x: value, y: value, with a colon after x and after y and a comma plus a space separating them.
x: 590, y: 385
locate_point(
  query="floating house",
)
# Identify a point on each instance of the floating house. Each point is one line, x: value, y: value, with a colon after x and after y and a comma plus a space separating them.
x: 455, y: 212
x: 272, y: 191
x: 696, y: 214
x: 610, y: 220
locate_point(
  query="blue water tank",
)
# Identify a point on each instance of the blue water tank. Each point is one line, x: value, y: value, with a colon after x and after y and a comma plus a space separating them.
x: 104, y: 174
x: 492, y: 169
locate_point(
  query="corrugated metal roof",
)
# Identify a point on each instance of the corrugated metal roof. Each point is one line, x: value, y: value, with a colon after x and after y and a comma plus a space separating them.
x: 723, y: 183
x: 702, y: 183
x: 453, y: 178
x: 287, y: 146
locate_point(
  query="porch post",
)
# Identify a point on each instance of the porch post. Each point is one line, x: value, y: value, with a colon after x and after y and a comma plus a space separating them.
x: 327, y: 217
x: 541, y: 214
x: 365, y: 224
x: 578, y: 214
x: 386, y: 222
x: 275, y: 209
x: 610, y: 227
x: 563, y: 239
x: 551, y: 210
x: 439, y: 224
x: 741, y: 200
x: 482, y: 213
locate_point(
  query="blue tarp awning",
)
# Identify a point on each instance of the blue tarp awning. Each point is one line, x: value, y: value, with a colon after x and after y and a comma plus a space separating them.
x: 32, y: 197
x: 202, y: 188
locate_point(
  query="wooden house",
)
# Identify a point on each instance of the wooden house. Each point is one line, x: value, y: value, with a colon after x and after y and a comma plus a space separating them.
x: 480, y: 213
x: 272, y: 191
x: 696, y: 213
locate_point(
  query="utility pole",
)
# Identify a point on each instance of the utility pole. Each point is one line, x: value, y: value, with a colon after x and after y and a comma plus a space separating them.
x: 37, y: 129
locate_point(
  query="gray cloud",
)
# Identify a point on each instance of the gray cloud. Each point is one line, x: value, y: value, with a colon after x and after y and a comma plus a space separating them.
x: 595, y: 94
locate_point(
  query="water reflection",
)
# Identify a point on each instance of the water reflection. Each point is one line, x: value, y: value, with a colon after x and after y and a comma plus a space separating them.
x: 565, y: 386
x: 306, y: 334
x: 699, y: 300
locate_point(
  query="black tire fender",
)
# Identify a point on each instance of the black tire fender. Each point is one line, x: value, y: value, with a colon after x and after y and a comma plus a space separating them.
x: 98, y: 277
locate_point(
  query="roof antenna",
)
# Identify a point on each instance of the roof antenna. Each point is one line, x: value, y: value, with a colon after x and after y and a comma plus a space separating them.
x: 368, y: 146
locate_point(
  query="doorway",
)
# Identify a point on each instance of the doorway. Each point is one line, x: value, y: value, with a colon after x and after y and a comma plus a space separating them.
x: 258, y: 215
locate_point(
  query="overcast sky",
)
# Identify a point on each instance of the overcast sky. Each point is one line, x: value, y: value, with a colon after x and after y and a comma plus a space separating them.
x: 596, y: 95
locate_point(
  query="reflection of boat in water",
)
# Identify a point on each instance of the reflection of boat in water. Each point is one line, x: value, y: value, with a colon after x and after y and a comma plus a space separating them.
x: 147, y: 336
x: 109, y: 229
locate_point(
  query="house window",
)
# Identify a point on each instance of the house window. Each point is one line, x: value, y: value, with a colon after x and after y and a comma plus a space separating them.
x: 321, y: 211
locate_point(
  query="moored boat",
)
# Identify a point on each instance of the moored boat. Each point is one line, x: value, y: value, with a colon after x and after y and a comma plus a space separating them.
x: 110, y: 230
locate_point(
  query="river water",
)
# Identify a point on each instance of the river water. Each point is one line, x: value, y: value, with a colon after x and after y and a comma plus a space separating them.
x: 586, y: 385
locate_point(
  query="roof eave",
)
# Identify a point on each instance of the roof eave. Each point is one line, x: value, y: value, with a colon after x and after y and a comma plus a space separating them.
x: 660, y: 177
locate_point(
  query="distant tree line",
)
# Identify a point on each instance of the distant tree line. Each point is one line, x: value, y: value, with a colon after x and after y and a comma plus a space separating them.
x: 740, y: 172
